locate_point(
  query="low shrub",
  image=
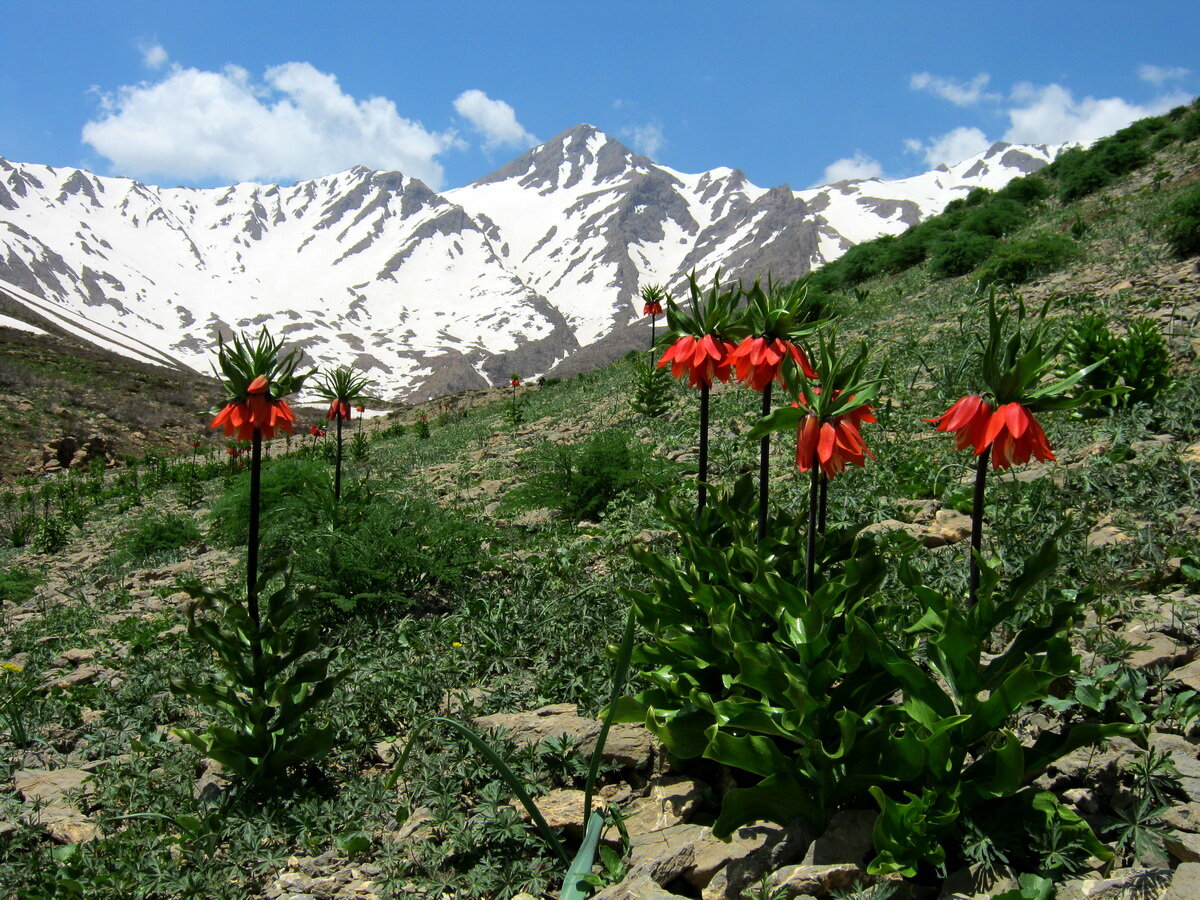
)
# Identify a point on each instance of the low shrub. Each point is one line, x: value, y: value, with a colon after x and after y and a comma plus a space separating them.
x: 372, y: 556
x: 1025, y: 190
x: 1018, y: 262
x: 16, y: 585
x: 996, y: 218
x: 960, y: 252
x: 157, y: 534
x: 1138, y: 360
x: 282, y: 478
x: 582, y: 480
x: 1181, y: 224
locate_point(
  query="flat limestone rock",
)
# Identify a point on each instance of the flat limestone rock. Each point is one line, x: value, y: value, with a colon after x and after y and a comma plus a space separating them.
x: 664, y: 855
x: 639, y: 887
x: 670, y: 801
x: 848, y: 839
x: 627, y: 745
x: 1185, y: 885
x: 50, y: 790
x: 1124, y: 884
x: 818, y: 881
x: 732, y: 869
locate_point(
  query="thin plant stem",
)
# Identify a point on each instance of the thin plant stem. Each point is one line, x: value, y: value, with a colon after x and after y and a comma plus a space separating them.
x: 981, y: 465
x: 252, y: 536
x: 337, y: 465
x: 702, y: 487
x: 810, y: 563
x: 823, y: 503
x: 764, y: 467
x: 653, y: 322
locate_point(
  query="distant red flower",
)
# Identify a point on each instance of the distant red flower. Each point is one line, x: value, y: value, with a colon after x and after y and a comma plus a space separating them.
x: 232, y: 451
x: 703, y: 358
x: 832, y: 444
x: 1015, y: 435
x: 653, y: 308
x: 195, y: 445
x: 258, y: 411
x: 338, y: 409
x: 759, y: 360
x: 516, y: 382
x: 968, y: 419
x: 361, y: 409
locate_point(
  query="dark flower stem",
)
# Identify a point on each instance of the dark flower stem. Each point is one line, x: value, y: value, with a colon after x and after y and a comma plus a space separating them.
x: 764, y: 467
x: 252, y: 536
x: 337, y: 465
x: 981, y: 465
x: 823, y: 503
x: 814, y: 490
x: 702, y: 488
x: 653, y: 322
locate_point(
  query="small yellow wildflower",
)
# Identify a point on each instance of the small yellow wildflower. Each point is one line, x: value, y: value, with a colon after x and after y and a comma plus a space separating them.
x: 11, y: 667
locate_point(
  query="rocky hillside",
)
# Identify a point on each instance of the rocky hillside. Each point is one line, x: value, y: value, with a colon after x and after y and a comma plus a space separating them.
x: 459, y: 577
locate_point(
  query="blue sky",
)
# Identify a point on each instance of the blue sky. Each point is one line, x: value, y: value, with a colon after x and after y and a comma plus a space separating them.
x: 206, y: 93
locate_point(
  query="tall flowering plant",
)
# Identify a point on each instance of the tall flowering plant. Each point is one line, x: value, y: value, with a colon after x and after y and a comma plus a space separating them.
x: 777, y: 318
x: 257, y: 379
x: 653, y: 297
x: 827, y: 416
x: 999, y: 424
x: 269, y: 675
x: 342, y: 387
x: 703, y: 339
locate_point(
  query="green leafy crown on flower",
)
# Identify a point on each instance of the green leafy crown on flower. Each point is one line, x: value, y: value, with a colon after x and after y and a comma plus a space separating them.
x: 1019, y: 355
x: 787, y: 311
x: 343, y: 384
x: 842, y: 387
x: 245, y: 359
x: 714, y: 311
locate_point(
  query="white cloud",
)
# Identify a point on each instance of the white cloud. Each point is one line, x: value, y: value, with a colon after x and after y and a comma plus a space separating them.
x: 1159, y: 75
x: 154, y: 56
x: 296, y: 123
x: 494, y: 119
x: 950, y: 148
x: 647, y: 139
x: 960, y: 93
x: 1037, y: 114
x: 1050, y: 114
x: 854, y: 167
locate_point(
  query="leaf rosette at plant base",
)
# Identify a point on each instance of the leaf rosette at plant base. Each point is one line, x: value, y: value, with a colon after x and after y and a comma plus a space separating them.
x: 263, y: 695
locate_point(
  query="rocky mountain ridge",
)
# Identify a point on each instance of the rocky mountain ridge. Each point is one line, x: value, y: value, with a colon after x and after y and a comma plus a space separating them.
x: 426, y: 292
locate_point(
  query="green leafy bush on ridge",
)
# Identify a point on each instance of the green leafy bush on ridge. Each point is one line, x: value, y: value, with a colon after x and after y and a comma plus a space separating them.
x: 1182, y: 223
x: 1018, y: 262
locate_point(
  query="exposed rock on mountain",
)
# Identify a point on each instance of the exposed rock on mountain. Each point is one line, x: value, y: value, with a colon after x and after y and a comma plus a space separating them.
x: 427, y: 292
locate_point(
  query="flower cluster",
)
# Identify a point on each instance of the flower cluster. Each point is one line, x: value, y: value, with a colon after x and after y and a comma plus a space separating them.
x: 703, y: 358
x: 257, y: 411
x: 1011, y: 432
x: 652, y: 308
x: 256, y: 379
x: 832, y: 443
x: 759, y: 360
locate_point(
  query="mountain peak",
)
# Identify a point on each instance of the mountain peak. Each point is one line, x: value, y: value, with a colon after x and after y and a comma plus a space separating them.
x: 561, y: 161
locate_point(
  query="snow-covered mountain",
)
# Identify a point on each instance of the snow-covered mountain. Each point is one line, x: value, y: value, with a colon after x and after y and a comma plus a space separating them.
x: 426, y: 292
